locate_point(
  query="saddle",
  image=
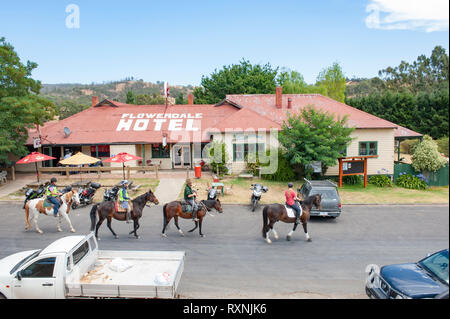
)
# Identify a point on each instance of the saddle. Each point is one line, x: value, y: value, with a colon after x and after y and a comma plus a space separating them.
x: 47, y: 203
x: 185, y: 206
x: 120, y: 209
x: 291, y: 212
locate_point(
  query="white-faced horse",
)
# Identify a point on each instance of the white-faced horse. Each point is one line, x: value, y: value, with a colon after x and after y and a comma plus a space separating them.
x: 35, y: 207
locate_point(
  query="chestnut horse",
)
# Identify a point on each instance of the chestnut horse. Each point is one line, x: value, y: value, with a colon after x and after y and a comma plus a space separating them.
x: 107, y: 210
x: 35, y: 207
x: 277, y: 212
x: 174, y: 210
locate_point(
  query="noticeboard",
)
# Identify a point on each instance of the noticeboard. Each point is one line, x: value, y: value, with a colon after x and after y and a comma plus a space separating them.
x: 354, y: 167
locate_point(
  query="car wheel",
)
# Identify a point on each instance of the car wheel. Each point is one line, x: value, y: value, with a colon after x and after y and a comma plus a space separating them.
x: 74, y: 206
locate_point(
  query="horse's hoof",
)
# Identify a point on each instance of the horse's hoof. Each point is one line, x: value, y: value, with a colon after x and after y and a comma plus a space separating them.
x: 164, y: 235
x: 72, y: 230
x: 137, y: 236
x: 268, y: 241
x: 59, y: 230
x: 288, y: 238
x: 40, y: 232
x: 98, y: 238
x: 275, y: 237
x: 203, y: 236
x: 181, y: 233
x: 309, y: 240
x: 116, y: 237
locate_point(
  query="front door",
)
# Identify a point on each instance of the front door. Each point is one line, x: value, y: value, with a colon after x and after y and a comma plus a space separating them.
x: 38, y: 281
x: 181, y: 156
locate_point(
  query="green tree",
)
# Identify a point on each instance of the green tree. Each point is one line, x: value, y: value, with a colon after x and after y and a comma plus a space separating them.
x: 313, y: 135
x: 131, y: 99
x: 332, y: 81
x: 21, y: 107
x: 68, y: 108
x: 146, y: 99
x: 242, y: 78
x: 426, y: 156
x: 293, y: 82
x: 180, y: 99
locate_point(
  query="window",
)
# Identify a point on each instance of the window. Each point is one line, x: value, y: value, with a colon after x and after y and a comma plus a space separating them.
x: 80, y: 253
x: 368, y: 148
x: 92, y: 243
x: 42, y: 268
x: 100, y: 151
x: 240, y: 151
x: 158, y: 151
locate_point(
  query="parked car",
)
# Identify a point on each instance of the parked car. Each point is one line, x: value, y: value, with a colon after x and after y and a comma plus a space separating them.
x: 331, y: 202
x: 74, y: 267
x: 427, y: 278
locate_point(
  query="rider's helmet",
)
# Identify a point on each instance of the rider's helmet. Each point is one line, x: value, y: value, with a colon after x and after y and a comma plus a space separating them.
x: 290, y: 185
x: 124, y: 182
x: 53, y: 180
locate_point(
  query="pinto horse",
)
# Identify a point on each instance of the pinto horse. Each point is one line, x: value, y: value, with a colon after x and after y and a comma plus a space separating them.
x: 107, y: 210
x: 174, y: 210
x: 35, y: 207
x: 277, y: 212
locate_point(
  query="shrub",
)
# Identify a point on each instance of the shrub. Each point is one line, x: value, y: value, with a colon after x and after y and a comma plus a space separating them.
x: 426, y: 156
x: 411, y: 182
x: 284, y: 172
x: 352, y: 180
x: 218, y: 160
x: 380, y: 181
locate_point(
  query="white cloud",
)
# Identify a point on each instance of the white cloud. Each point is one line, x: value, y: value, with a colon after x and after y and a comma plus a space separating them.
x: 428, y: 15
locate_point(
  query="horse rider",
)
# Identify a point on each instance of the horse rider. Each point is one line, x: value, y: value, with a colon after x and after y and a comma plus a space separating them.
x: 291, y: 198
x: 189, y: 196
x: 124, y: 199
x: 52, y: 193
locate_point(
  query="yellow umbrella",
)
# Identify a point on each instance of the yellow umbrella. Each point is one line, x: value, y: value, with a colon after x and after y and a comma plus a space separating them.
x: 79, y: 159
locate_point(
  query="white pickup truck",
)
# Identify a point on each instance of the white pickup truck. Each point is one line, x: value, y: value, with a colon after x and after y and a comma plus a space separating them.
x: 74, y: 267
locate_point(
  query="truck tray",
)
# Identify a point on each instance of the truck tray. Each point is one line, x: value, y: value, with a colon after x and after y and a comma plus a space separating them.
x: 153, y: 274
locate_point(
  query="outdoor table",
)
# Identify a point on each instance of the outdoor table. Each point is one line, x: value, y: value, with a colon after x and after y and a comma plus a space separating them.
x: 219, y: 185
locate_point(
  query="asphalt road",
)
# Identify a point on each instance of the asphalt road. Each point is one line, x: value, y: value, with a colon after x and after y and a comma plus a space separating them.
x: 233, y: 260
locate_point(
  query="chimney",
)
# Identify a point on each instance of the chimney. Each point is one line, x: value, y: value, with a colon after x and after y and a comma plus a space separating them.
x: 94, y: 101
x: 190, y: 99
x: 278, y: 99
x: 289, y: 103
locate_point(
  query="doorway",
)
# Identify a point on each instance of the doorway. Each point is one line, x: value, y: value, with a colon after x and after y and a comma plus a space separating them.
x: 181, y: 156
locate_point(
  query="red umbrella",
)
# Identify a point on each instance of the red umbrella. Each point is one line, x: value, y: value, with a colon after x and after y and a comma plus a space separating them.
x: 122, y: 158
x: 34, y: 158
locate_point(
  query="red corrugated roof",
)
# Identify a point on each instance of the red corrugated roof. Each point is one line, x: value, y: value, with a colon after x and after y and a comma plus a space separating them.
x: 264, y: 104
x: 401, y: 131
x: 98, y: 125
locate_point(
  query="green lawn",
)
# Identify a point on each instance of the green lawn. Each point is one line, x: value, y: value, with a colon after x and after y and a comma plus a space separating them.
x: 237, y: 191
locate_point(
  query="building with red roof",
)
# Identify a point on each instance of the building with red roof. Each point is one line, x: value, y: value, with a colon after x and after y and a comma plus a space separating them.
x: 175, y: 135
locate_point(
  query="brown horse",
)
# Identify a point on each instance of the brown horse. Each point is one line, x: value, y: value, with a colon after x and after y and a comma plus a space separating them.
x: 174, y: 210
x: 107, y: 210
x: 277, y: 212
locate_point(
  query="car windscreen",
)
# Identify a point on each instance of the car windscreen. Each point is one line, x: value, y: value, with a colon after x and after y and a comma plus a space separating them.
x: 326, y: 193
x: 23, y: 261
x: 437, y: 264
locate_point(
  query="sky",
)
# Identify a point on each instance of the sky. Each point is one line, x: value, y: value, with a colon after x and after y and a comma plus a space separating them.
x: 80, y: 41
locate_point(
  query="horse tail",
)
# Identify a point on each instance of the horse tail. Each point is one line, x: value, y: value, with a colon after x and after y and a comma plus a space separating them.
x: 265, y: 221
x: 93, y: 216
